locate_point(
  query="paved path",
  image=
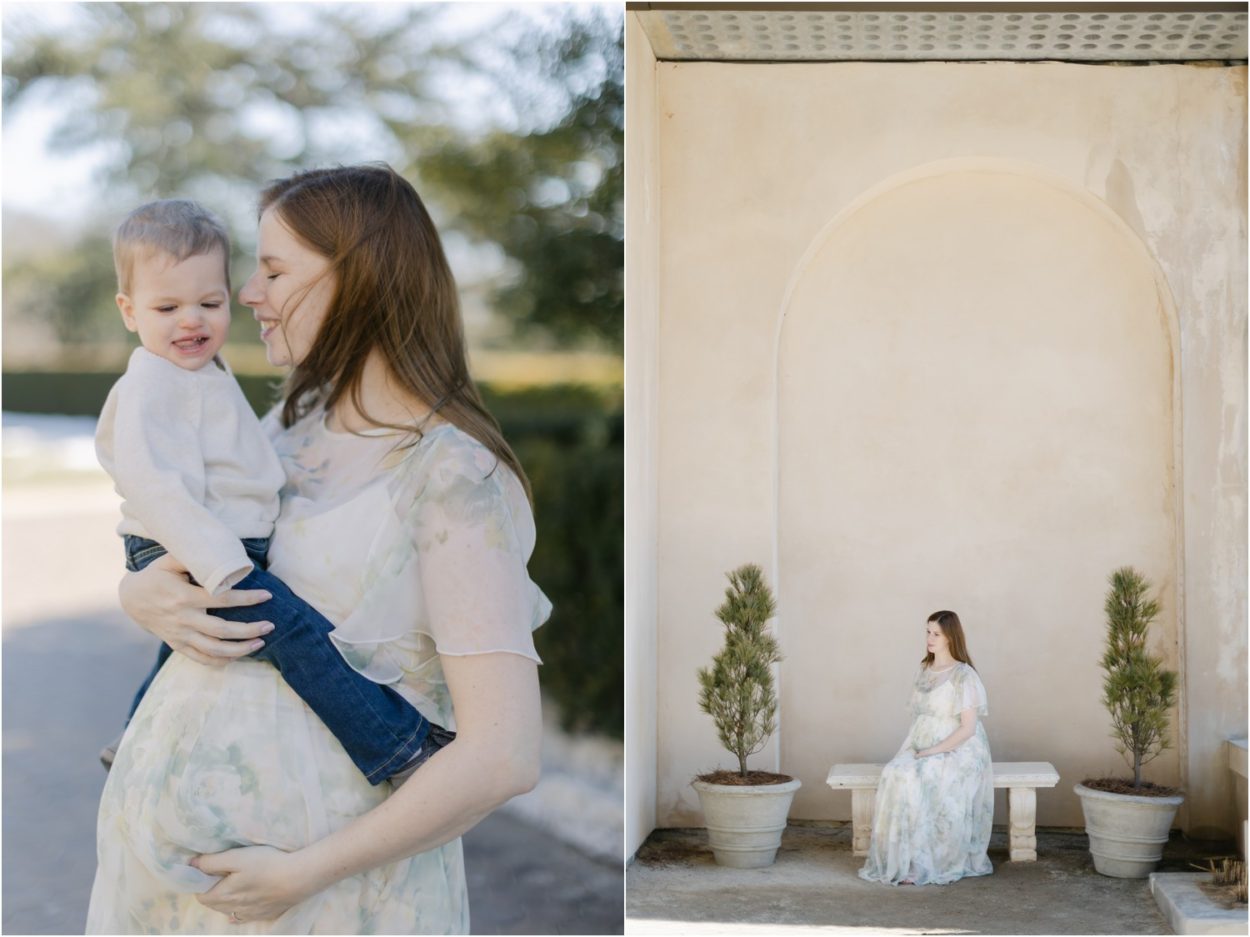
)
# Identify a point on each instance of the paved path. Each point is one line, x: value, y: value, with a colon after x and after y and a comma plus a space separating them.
x: 675, y: 886
x: 67, y: 683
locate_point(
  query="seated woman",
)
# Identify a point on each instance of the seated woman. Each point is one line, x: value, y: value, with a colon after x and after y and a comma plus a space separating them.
x: 405, y: 521
x: 935, y: 802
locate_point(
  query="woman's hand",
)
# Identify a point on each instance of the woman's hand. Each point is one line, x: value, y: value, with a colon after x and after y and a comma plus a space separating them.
x: 259, y: 883
x: 967, y: 728
x: 162, y: 600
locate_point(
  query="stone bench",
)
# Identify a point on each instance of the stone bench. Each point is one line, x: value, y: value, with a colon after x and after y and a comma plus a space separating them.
x: 1021, y: 778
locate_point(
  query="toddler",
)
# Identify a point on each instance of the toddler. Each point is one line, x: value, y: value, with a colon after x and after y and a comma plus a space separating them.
x: 199, y: 479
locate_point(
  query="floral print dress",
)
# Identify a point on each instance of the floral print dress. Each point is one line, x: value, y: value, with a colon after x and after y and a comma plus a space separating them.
x: 933, y: 815
x: 412, y: 553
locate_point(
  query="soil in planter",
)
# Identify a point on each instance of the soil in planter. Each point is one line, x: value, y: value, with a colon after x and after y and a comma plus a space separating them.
x: 1121, y: 786
x: 733, y: 778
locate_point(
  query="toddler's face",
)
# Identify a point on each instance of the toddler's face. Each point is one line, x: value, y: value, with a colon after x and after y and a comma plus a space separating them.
x: 181, y: 309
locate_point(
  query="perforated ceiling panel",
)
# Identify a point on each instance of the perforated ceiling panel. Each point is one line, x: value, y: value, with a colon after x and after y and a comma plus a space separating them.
x: 793, y: 34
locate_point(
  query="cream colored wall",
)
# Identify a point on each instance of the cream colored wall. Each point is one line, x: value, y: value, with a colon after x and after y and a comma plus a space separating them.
x: 1124, y: 199
x: 977, y: 419
x: 641, y: 411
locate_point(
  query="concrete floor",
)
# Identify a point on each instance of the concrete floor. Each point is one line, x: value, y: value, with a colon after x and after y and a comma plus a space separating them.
x: 674, y: 886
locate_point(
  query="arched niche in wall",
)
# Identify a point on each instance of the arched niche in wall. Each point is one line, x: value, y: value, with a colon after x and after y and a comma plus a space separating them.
x: 977, y: 410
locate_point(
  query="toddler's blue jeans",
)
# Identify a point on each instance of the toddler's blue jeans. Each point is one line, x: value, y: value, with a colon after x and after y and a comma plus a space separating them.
x: 380, y: 730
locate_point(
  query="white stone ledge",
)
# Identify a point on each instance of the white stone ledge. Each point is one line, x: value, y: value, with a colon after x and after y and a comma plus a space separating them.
x: 1236, y: 755
x: 1189, y: 910
x: 1236, y: 748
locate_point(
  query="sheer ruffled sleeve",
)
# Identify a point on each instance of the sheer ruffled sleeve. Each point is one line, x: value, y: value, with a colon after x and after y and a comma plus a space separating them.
x: 447, y: 535
x: 971, y: 691
x: 473, y: 533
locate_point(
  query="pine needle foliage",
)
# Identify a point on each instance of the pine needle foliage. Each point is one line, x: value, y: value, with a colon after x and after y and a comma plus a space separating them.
x: 738, y: 691
x: 1137, y: 691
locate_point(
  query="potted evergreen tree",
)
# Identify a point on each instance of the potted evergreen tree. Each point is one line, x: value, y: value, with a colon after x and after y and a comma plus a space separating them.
x: 1127, y: 821
x: 745, y: 811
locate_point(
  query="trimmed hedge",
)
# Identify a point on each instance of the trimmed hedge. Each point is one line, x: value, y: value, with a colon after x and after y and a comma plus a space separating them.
x: 565, y: 413
x: 570, y: 440
x: 579, y: 509
x: 70, y: 393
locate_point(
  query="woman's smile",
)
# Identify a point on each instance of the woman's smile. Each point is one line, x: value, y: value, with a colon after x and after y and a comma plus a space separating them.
x: 267, y: 327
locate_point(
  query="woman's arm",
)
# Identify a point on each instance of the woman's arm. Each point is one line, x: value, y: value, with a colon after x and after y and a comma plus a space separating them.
x: 494, y: 757
x: 967, y: 728
x: 161, y: 599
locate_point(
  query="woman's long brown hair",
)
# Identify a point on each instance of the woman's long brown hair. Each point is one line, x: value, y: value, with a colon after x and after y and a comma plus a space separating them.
x: 954, y: 631
x: 393, y: 292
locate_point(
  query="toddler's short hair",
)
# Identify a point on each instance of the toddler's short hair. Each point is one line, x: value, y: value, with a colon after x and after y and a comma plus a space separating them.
x: 175, y: 226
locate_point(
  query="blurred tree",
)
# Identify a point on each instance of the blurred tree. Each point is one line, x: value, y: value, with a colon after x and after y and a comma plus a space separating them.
x: 210, y: 100
x: 61, y: 290
x: 189, y: 93
x: 183, y: 99
x: 553, y: 199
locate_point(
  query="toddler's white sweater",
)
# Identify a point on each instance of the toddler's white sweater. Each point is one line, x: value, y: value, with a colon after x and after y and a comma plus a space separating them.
x: 194, y: 467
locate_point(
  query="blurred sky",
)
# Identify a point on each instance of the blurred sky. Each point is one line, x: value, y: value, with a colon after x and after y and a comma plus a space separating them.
x: 60, y: 185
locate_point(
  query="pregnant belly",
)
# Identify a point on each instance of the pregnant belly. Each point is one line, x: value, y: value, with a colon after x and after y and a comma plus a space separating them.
x: 930, y: 730
x: 221, y: 757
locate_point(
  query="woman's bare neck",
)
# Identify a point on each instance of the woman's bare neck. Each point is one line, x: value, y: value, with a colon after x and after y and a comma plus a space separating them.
x: 382, y: 399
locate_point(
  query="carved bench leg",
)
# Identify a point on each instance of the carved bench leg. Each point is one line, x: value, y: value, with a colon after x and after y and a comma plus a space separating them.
x: 1022, y: 812
x: 863, y: 802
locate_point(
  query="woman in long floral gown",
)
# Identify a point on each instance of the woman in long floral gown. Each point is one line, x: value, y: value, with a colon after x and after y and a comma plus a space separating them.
x: 935, y: 802
x: 231, y: 808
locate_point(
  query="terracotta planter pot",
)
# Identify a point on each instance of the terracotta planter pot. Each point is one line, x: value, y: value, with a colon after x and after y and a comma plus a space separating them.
x: 744, y: 824
x: 1126, y: 832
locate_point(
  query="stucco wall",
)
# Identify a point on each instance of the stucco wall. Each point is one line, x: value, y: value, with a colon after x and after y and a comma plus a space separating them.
x: 988, y: 436
x: 1113, y: 253
x: 641, y: 411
